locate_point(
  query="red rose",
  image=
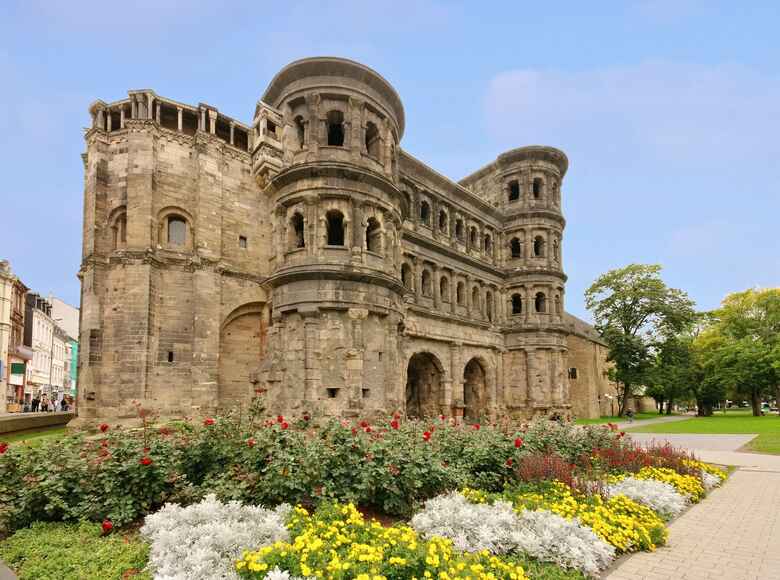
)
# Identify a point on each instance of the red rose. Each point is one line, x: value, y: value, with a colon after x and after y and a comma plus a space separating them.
x: 509, y: 462
x: 396, y: 416
x: 367, y: 429
x: 3, y: 447
x: 518, y: 442
x: 208, y: 421
x: 250, y: 442
x: 427, y: 436
x: 475, y: 426
x: 363, y: 423
x: 622, y: 433
x: 354, y: 431
x: 280, y: 419
x: 103, y: 427
x: 284, y: 425
x: 394, y: 424
x: 146, y: 461
x: 107, y: 526
x: 442, y: 417
x: 306, y: 417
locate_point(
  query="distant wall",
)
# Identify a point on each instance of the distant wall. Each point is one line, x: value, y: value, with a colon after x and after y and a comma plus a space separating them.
x: 25, y: 421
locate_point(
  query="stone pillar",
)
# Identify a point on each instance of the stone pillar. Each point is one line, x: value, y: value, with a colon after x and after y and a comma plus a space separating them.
x: 454, y: 391
x: 100, y: 120
x: 133, y: 107
x: 311, y: 354
x: 157, y: 112
x: 355, y: 357
x: 212, y: 121
x: 232, y: 132
x: 202, y: 120
x: 108, y: 121
x: 180, y: 119
x: 149, y: 102
x: 122, y: 117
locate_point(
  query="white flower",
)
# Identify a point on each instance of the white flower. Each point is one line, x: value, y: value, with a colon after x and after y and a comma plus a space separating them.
x: 709, y: 481
x: 659, y: 496
x: 202, y: 541
x: 498, y: 529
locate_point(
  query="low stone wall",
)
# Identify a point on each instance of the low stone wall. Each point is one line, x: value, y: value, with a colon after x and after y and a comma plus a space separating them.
x: 25, y: 421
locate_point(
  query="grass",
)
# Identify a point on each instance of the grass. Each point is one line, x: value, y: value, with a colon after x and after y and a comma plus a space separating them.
x: 35, y: 438
x: 616, y: 419
x: 733, y: 422
x: 53, y: 551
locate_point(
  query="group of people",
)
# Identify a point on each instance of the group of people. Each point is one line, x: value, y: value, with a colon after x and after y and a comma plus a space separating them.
x: 43, y: 404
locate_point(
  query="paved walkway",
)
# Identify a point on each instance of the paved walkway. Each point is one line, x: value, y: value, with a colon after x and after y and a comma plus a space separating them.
x: 733, y: 534
x: 643, y: 422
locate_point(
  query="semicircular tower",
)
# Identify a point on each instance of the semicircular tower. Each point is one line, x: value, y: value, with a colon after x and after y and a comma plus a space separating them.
x: 325, y: 153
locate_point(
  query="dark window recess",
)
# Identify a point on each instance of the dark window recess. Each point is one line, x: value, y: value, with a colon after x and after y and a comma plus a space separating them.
x: 242, y: 241
x: 335, y: 228
x: 333, y: 392
x: 514, y: 191
x: 336, y: 128
x: 366, y: 393
x: 170, y: 356
x: 572, y: 373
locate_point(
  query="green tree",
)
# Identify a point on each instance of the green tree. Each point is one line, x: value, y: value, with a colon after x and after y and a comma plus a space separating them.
x: 748, y: 354
x: 672, y: 374
x: 634, y: 309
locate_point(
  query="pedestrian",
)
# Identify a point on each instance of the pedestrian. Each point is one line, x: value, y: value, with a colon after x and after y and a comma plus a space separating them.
x: 64, y: 405
x: 35, y: 403
x: 630, y: 415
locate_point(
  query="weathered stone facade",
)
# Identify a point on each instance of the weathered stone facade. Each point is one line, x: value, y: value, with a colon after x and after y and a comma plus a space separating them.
x: 308, y: 260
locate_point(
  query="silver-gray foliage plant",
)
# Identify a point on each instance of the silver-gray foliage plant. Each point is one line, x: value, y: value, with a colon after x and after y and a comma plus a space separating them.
x: 498, y: 529
x: 203, y: 540
x: 659, y: 496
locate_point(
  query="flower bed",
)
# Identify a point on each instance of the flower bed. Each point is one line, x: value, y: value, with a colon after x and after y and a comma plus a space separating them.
x: 549, y: 492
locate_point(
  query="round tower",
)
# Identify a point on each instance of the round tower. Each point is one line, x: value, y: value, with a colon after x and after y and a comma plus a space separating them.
x: 530, y: 182
x: 325, y: 153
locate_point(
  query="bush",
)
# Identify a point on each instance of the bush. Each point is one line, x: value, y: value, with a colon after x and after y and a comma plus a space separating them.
x: 52, y: 551
x: 202, y: 541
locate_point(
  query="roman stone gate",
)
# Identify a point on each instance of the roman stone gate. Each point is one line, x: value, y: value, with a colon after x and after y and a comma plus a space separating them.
x: 424, y: 385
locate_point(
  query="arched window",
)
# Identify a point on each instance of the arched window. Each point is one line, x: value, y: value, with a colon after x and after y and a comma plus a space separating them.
x: 336, y: 128
x: 459, y: 230
x: 444, y: 288
x: 488, y: 244
x: 539, y: 247
x: 297, y: 239
x: 473, y: 237
x: 443, y: 222
x: 555, y: 249
x: 426, y: 285
x: 460, y: 293
x: 540, y: 302
x: 538, y: 187
x: 475, y: 300
x: 406, y: 276
x: 372, y: 140
x: 177, y: 230
x: 514, y: 190
x: 373, y: 235
x: 425, y: 213
x: 557, y: 304
x: 335, y: 227
x: 120, y: 231
x: 517, y: 304
x: 516, y: 248
x: 489, y: 305
x: 300, y: 130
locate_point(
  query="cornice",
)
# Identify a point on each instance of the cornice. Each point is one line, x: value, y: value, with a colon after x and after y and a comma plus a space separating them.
x: 335, y: 271
x: 331, y: 169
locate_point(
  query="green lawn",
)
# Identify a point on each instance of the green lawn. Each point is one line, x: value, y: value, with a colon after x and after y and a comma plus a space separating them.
x: 616, y: 419
x: 34, y: 438
x: 733, y: 422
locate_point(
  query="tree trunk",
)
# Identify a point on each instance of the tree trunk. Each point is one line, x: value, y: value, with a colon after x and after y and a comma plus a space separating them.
x: 624, y: 401
x: 755, y: 402
x: 660, y: 406
x: 703, y: 408
x: 669, y: 407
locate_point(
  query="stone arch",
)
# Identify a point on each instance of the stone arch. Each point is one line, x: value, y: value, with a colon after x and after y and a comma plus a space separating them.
x: 242, y: 347
x: 183, y: 224
x: 425, y: 378
x: 475, y: 389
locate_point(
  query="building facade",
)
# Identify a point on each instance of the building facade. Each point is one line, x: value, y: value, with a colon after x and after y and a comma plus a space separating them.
x: 307, y: 260
x: 39, y: 337
x: 14, y: 355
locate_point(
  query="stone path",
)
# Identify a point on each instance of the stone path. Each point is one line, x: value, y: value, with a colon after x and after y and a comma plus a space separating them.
x: 733, y: 534
x: 643, y: 422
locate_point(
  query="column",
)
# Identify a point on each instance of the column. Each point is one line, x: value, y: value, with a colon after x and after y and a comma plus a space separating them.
x: 202, y: 120
x: 311, y: 363
x: 454, y: 391
x: 100, y: 120
x: 417, y: 277
x: 122, y: 117
x: 180, y: 119
x: 232, y: 132
x: 149, y: 100
x: 436, y: 287
x: 108, y: 121
x: 469, y: 306
x: 157, y: 112
x: 212, y: 121
x: 133, y: 107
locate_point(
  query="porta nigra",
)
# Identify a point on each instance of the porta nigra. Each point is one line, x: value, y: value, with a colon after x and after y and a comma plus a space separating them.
x: 305, y: 258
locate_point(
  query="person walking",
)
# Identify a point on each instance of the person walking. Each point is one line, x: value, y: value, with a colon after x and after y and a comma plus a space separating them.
x: 35, y: 403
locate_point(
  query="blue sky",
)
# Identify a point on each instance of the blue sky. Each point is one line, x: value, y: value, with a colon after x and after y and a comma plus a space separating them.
x: 669, y: 111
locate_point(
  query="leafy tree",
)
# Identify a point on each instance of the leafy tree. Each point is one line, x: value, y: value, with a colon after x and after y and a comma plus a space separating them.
x: 747, y: 357
x: 634, y: 309
x: 673, y: 372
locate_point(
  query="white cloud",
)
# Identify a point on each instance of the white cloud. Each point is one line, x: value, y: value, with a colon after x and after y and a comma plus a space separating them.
x: 678, y: 113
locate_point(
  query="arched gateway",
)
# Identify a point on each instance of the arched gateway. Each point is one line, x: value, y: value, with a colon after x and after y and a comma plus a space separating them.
x: 241, y: 348
x: 424, y: 377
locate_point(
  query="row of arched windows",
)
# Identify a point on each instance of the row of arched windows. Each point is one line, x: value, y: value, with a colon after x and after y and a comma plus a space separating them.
x: 336, y: 131
x: 472, y: 237
x: 538, y: 248
x: 538, y: 190
x: 174, y: 231
x: 540, y: 304
x: 335, y: 231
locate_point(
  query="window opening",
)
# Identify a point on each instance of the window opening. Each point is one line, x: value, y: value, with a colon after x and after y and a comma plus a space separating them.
x: 336, y: 128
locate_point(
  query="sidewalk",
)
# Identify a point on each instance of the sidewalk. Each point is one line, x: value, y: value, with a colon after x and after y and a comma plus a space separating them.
x: 643, y: 422
x: 731, y: 535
